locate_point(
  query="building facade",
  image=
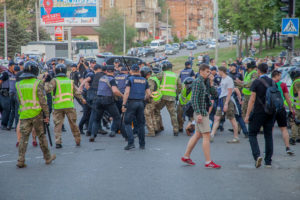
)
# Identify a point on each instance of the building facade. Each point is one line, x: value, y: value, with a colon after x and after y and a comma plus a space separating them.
x: 192, y: 17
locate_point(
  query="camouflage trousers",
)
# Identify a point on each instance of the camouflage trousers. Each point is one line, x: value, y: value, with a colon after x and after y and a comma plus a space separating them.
x: 245, y: 105
x: 172, y: 112
x: 26, y: 126
x: 180, y: 118
x: 151, y: 119
x: 295, y: 127
x: 58, y: 119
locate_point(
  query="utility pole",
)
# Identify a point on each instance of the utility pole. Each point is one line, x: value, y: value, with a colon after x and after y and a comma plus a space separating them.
x: 70, y: 43
x: 168, y: 25
x: 216, y: 14
x: 124, y: 38
x: 154, y: 24
x: 5, y: 32
x: 37, y: 21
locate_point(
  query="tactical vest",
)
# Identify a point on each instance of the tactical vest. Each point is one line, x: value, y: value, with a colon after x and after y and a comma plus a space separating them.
x: 247, y: 80
x: 12, y: 84
x: 184, y: 98
x: 94, y: 85
x: 29, y: 101
x: 137, y: 88
x: 104, y: 87
x: 156, y: 95
x: 5, y: 84
x: 169, y: 84
x: 64, y: 97
x: 185, y: 73
x: 121, y: 82
x: 295, y: 98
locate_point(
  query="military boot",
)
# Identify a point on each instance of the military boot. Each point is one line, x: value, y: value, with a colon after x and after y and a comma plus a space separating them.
x: 21, y: 164
x: 53, y: 157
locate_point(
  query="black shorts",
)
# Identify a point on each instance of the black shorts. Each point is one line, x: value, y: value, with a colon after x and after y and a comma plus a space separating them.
x: 281, y: 118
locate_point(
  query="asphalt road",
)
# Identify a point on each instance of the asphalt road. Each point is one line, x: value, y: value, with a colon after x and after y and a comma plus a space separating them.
x: 103, y: 170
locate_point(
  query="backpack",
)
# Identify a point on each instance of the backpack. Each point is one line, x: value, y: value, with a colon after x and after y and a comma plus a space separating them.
x: 274, y: 101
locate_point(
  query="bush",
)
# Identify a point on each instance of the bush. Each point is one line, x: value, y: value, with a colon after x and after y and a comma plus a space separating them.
x: 176, y: 39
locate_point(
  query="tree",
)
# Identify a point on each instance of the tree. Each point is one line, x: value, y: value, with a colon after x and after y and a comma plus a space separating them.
x: 81, y: 37
x: 111, y: 32
x: 176, y: 39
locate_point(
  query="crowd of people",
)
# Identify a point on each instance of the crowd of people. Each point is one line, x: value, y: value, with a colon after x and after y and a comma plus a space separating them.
x: 126, y: 99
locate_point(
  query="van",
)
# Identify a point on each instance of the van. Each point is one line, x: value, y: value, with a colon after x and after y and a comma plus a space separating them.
x: 158, y: 45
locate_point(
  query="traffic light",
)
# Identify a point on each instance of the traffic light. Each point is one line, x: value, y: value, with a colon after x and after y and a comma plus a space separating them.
x: 287, y: 42
x: 289, y: 8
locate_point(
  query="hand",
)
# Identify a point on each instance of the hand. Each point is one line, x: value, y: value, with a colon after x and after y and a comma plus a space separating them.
x: 238, y: 81
x: 46, y: 120
x: 123, y: 109
x: 199, y: 119
x: 293, y: 111
x: 83, y: 101
x: 241, y: 102
x: 225, y: 108
x: 246, y: 119
x: 211, y: 79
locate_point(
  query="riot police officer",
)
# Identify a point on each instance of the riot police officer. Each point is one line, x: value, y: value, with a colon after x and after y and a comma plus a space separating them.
x: 117, y: 66
x: 137, y: 89
x: 186, y: 72
x: 107, y: 88
x: 5, y: 84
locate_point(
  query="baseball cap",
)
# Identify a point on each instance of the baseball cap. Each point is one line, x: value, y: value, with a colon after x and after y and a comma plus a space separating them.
x: 96, y: 67
x: 187, y: 63
x: 213, y: 68
x: 135, y: 67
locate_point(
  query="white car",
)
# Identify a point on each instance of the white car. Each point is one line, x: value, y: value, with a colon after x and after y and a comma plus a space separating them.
x: 211, y: 45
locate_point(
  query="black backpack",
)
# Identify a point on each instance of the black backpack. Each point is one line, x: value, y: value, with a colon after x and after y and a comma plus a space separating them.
x: 274, y: 101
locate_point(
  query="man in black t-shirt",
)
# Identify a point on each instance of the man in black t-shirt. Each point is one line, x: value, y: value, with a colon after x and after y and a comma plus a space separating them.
x: 257, y: 117
x: 75, y: 75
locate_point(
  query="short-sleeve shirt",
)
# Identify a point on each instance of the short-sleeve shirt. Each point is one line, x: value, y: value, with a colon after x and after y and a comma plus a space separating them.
x: 4, y: 76
x: 113, y: 82
x: 284, y: 88
x: 226, y: 83
x: 260, y: 89
x: 75, y: 76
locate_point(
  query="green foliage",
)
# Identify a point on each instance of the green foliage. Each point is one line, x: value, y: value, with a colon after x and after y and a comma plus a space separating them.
x: 111, y: 32
x: 176, y: 39
x: 163, y: 5
x: 81, y: 37
x: 191, y: 38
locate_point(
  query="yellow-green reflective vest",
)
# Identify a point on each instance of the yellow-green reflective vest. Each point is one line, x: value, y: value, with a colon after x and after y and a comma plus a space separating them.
x: 295, y: 100
x: 183, y: 98
x: 156, y: 95
x: 247, y: 79
x: 29, y: 101
x: 168, y: 85
x: 64, y: 97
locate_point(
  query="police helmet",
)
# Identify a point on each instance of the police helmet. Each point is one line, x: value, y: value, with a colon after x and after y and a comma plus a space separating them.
x: 110, y: 68
x: 135, y: 67
x: 251, y: 64
x: 145, y: 71
x: 116, y: 60
x: 188, y: 82
x: 60, y: 70
x: 156, y: 70
x: 165, y: 65
x: 31, y: 70
x: 295, y: 74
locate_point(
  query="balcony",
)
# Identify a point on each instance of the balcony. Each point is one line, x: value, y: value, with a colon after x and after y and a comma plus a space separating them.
x: 140, y: 5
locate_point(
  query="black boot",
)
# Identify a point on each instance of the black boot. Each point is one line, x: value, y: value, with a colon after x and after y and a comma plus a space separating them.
x: 58, y: 146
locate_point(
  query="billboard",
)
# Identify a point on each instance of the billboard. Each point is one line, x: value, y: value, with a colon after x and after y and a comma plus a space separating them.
x: 69, y: 12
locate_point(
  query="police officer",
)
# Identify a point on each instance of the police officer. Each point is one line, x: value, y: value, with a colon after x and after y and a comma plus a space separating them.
x: 186, y: 72
x: 5, y: 83
x: 117, y: 66
x: 64, y: 91
x: 76, y: 77
x: 184, y: 99
x: 295, y: 98
x: 137, y: 90
x: 13, y: 117
x: 107, y: 88
x: 170, y: 86
x: 154, y: 86
x: 32, y: 105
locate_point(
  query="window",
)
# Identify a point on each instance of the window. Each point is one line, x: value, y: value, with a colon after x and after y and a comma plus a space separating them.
x: 112, y: 3
x: 100, y: 3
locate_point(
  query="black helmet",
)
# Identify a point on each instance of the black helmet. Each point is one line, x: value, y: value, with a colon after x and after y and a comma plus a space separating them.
x: 156, y: 70
x: 188, y: 82
x: 31, y: 70
x: 61, y: 70
x: 294, y: 74
x: 165, y: 65
x: 110, y: 68
x: 145, y: 71
x: 251, y: 64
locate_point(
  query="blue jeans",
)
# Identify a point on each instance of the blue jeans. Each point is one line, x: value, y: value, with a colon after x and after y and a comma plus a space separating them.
x: 14, y: 105
x: 5, y: 105
x: 256, y: 121
x: 86, y: 111
x: 135, y: 111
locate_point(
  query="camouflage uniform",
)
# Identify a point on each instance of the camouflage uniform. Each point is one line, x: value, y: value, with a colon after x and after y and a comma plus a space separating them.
x: 170, y: 103
x: 151, y: 122
x: 26, y: 126
x: 294, y: 126
x: 59, y: 115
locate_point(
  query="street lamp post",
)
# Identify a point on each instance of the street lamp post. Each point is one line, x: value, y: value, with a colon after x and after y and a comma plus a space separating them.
x: 124, y: 35
x: 168, y: 25
x: 216, y: 14
x: 37, y: 21
x: 5, y: 32
x: 154, y: 24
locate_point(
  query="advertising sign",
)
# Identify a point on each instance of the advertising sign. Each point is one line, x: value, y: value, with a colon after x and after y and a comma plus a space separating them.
x: 69, y: 12
x: 59, y: 33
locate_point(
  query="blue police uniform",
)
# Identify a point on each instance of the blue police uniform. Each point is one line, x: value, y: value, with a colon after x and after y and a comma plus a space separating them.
x: 187, y: 72
x: 135, y: 108
x: 105, y: 102
x: 4, y: 97
x: 13, y: 102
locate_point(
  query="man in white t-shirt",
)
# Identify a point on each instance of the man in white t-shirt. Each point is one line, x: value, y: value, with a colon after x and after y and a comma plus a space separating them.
x: 226, y: 105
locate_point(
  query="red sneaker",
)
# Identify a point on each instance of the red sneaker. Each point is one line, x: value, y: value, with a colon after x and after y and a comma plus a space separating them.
x: 34, y: 143
x: 188, y: 161
x: 17, y: 144
x: 212, y: 165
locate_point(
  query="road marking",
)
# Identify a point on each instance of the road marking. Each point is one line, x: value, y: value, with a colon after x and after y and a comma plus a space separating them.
x: 4, y: 155
x: 7, y: 161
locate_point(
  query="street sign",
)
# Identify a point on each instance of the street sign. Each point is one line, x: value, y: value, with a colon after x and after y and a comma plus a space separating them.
x: 290, y: 26
x: 59, y: 33
x: 69, y: 12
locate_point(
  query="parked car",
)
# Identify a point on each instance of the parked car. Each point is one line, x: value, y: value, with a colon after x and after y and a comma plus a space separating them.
x: 145, y: 52
x: 211, y: 45
x: 202, y: 42
x: 182, y: 45
x: 191, y: 46
x: 4, y: 63
x: 256, y: 37
x: 176, y: 47
x: 170, y: 51
x: 67, y: 62
x: 222, y: 39
x: 109, y: 60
